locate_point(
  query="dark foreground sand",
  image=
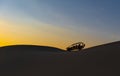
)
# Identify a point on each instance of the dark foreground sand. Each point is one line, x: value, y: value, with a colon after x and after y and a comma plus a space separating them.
x: 103, y: 60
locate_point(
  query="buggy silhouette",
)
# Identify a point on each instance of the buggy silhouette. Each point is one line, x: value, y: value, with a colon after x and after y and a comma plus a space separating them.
x: 76, y: 46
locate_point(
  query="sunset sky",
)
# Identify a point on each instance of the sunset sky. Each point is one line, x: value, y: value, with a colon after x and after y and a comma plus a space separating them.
x: 59, y: 23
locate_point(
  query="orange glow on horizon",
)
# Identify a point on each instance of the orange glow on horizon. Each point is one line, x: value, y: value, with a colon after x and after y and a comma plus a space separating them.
x: 13, y: 33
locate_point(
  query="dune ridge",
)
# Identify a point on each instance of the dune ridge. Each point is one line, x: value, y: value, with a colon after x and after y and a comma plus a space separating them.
x: 103, y: 60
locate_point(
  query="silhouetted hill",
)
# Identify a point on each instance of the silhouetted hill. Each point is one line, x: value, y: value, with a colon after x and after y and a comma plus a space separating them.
x: 105, y: 49
x: 103, y: 60
x: 31, y: 48
x: 109, y: 46
x: 18, y: 51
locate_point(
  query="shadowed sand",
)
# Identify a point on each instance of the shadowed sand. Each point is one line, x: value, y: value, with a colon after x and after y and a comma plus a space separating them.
x: 29, y: 60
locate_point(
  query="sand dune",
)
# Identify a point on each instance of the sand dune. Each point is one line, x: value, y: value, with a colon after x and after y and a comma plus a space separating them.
x: 28, y: 60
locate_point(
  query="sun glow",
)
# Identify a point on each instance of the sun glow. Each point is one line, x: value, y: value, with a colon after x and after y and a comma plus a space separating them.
x: 13, y: 33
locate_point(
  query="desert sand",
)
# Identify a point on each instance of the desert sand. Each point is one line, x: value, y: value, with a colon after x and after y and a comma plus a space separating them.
x: 30, y: 60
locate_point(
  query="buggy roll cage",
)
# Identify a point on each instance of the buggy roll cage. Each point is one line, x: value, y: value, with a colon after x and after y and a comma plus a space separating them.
x: 78, y: 45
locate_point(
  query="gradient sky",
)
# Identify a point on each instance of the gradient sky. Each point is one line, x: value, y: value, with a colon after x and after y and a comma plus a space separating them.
x: 59, y: 23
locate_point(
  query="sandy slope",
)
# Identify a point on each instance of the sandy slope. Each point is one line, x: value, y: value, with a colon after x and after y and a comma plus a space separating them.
x: 103, y: 60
